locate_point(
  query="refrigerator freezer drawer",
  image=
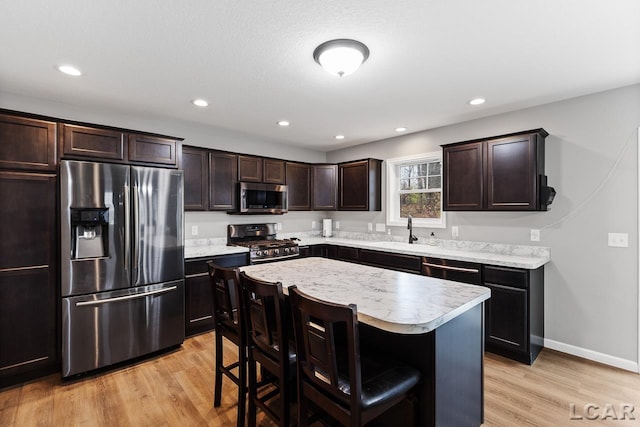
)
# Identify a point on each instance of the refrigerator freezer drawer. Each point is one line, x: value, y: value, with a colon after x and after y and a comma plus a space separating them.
x: 110, y: 327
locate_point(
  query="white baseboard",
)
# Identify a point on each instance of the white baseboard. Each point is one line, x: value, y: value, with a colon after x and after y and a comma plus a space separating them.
x: 607, y: 359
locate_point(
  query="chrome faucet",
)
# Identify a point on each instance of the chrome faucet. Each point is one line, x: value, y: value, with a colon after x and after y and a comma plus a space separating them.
x: 412, y: 238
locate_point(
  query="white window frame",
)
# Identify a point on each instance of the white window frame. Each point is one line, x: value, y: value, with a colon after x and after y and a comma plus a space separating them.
x: 392, y: 199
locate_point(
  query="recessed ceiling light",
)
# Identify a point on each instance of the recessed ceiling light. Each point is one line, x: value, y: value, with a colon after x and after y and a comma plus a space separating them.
x: 339, y: 136
x: 476, y: 101
x: 283, y: 123
x: 200, y: 102
x: 401, y: 129
x: 69, y: 70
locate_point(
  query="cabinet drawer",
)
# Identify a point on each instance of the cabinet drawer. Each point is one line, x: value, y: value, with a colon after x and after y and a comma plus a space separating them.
x: 458, y: 271
x: 506, y: 276
x: 347, y: 254
x: 409, y: 263
x: 199, y: 266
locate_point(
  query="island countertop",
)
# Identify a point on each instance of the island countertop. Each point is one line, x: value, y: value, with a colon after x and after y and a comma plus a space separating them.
x: 389, y: 300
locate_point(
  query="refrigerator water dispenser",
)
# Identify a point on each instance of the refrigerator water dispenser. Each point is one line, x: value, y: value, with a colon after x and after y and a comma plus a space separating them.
x: 89, y: 233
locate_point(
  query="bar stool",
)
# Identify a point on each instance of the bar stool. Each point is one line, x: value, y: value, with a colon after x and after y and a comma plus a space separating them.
x: 229, y: 323
x: 267, y: 322
x: 332, y: 373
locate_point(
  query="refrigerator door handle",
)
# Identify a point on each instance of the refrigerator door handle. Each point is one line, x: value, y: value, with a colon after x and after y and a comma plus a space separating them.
x: 136, y: 224
x: 126, y: 297
x: 127, y: 227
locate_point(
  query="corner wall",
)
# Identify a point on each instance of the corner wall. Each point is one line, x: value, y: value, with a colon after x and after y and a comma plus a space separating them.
x: 591, y: 290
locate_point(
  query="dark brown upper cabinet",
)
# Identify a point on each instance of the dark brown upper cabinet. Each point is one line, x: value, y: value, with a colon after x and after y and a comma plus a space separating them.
x: 95, y: 143
x: 223, y: 180
x: 273, y: 171
x: 153, y: 149
x: 299, y: 186
x: 325, y: 188
x: 195, y: 164
x: 359, y: 185
x: 259, y: 169
x: 503, y: 173
x: 27, y: 144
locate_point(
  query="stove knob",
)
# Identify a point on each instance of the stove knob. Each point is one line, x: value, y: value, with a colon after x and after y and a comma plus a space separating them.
x: 276, y: 251
x: 258, y: 253
x: 286, y: 250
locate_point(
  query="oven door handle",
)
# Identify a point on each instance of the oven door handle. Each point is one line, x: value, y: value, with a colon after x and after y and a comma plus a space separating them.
x: 259, y: 260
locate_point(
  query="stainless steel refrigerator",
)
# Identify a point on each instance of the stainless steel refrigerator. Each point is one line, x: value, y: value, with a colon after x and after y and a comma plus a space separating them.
x: 122, y: 263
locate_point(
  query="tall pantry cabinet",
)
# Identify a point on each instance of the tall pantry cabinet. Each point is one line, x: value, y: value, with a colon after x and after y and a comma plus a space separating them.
x: 28, y: 250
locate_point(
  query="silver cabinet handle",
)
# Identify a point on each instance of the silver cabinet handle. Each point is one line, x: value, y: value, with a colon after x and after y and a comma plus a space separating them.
x: 127, y: 227
x: 126, y: 297
x: 191, y: 276
x: 447, y: 267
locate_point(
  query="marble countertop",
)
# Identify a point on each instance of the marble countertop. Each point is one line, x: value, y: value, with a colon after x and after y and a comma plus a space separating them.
x: 389, y: 300
x: 191, y: 252
x: 529, y: 261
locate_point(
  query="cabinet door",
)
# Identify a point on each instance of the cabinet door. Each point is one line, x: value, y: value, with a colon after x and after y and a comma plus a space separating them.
x: 325, y: 188
x: 299, y: 186
x: 93, y: 143
x: 223, y: 180
x: 27, y: 143
x: 354, y: 186
x: 27, y: 273
x: 196, y: 178
x: 274, y: 171
x: 463, y: 186
x: 198, y: 304
x: 512, y: 181
x: 249, y: 169
x: 506, y: 317
x: 153, y: 149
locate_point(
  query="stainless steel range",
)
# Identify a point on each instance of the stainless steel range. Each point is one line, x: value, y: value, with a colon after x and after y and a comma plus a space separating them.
x: 261, y: 241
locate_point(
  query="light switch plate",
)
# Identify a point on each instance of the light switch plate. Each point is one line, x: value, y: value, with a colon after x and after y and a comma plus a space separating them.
x: 454, y: 231
x: 278, y: 226
x: 380, y: 227
x: 619, y: 240
x: 337, y: 224
x: 313, y: 224
x: 194, y: 230
x: 370, y: 226
x: 535, y: 235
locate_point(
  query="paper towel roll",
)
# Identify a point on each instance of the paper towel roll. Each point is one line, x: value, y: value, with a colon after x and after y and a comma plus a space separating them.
x: 326, y: 228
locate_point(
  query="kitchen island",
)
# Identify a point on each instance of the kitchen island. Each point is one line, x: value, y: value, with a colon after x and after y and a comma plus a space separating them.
x: 435, y: 325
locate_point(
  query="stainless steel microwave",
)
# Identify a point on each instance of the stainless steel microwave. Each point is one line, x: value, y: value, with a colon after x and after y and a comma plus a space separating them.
x: 258, y: 198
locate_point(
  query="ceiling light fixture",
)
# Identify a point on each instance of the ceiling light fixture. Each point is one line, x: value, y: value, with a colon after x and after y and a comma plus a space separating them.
x: 341, y: 56
x: 283, y: 123
x: 69, y: 70
x: 401, y: 129
x: 339, y: 136
x: 476, y: 101
x: 200, y: 102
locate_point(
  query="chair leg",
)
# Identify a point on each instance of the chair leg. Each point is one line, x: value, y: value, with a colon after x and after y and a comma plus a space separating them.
x: 242, y: 387
x: 285, y: 398
x: 252, y: 394
x: 303, y: 410
x: 217, y: 393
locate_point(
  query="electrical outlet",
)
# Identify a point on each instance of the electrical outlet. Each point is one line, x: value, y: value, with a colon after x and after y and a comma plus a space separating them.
x: 370, y: 227
x: 278, y: 226
x: 194, y: 230
x: 454, y: 231
x: 380, y: 227
x: 337, y: 224
x: 619, y: 240
x: 313, y: 224
x: 535, y: 235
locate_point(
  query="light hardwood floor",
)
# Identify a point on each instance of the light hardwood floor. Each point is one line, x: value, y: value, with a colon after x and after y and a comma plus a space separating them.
x: 176, y: 389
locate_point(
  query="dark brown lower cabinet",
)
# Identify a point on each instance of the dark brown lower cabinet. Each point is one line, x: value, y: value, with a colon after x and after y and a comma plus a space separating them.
x: 28, y: 258
x: 198, y: 298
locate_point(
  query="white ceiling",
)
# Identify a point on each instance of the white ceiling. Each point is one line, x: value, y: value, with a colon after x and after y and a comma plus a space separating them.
x: 252, y: 60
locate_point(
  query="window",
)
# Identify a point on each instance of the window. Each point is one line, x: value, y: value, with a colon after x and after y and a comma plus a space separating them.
x: 414, y: 187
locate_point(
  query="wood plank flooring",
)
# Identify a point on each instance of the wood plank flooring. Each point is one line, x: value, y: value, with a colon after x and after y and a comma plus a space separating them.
x: 176, y: 389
